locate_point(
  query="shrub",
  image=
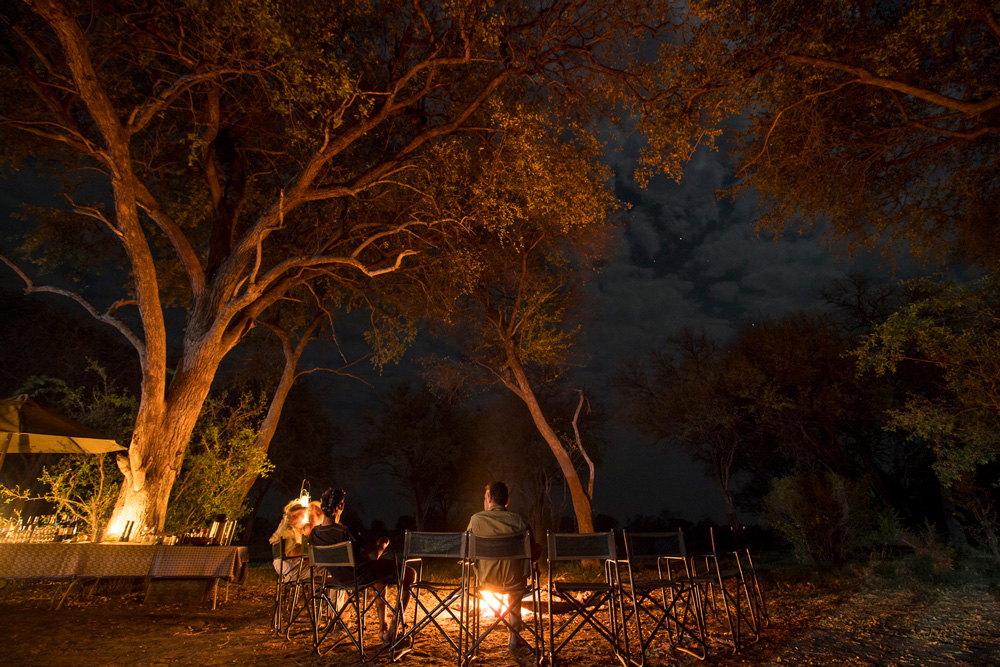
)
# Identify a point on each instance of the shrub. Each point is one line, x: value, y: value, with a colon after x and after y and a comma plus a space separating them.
x: 222, y: 457
x: 826, y: 517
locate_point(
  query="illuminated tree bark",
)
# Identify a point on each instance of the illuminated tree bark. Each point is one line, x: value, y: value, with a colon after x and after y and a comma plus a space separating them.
x: 522, y: 387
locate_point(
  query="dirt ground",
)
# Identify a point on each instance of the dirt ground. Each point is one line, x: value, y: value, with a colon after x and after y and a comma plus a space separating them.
x: 840, y: 623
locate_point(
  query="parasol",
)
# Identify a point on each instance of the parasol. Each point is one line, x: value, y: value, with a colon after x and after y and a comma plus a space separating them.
x: 28, y: 428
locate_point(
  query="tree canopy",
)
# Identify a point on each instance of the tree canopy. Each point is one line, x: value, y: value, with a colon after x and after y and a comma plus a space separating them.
x: 228, y: 153
x: 954, y: 331
x: 507, y: 306
x: 881, y: 117
x: 785, y: 395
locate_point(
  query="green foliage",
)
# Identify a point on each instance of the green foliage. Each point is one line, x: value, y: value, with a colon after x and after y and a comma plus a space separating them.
x: 222, y: 454
x: 539, y: 215
x: 102, y: 404
x: 784, y: 394
x: 827, y: 518
x: 84, y: 486
x: 932, y: 561
x: 272, y: 145
x: 953, y: 331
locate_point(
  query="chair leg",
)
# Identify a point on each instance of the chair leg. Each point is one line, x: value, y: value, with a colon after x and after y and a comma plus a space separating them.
x: 276, y: 615
x: 758, y: 594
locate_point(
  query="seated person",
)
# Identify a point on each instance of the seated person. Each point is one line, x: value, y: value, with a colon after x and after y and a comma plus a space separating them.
x: 315, y: 517
x: 496, y: 520
x: 369, y: 569
x: 289, y: 535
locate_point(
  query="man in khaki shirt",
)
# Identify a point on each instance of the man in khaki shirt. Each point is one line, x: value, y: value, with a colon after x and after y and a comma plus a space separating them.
x: 493, y: 521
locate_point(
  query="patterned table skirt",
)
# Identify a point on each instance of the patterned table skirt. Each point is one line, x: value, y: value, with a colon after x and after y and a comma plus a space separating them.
x: 55, y: 561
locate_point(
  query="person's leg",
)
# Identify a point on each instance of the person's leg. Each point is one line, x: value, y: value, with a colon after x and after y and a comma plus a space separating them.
x: 409, y: 576
x: 514, y: 617
x: 380, y: 607
x: 384, y: 571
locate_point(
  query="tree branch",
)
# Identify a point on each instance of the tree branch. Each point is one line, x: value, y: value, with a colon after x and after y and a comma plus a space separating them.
x: 142, y: 115
x: 178, y: 239
x: 107, y: 318
x: 579, y: 445
x: 867, y: 78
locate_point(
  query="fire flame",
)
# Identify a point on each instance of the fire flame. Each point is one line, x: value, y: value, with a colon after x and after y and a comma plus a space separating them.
x: 494, y: 602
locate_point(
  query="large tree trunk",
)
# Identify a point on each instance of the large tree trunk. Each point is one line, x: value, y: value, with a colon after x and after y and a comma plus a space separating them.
x: 159, y: 441
x: 581, y: 501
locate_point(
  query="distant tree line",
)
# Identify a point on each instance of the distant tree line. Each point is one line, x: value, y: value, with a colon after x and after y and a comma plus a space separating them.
x: 844, y: 426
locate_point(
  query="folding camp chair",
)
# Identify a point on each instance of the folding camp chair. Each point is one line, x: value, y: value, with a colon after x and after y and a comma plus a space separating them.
x: 668, y: 602
x: 516, y: 548
x: 584, y: 600
x: 726, y: 539
x: 720, y: 577
x: 287, y: 587
x: 335, y: 592
x: 445, y: 593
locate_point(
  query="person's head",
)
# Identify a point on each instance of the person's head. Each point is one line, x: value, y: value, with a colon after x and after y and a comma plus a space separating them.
x: 295, y: 513
x: 315, y: 513
x: 332, y: 501
x: 496, y: 494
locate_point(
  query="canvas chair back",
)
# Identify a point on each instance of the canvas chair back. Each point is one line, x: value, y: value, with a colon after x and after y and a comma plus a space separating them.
x: 440, y: 597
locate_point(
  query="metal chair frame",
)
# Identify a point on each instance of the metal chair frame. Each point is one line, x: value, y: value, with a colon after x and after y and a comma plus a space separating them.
x: 671, y: 601
x: 320, y: 606
x: 756, y: 592
x: 513, y: 547
x: 283, y: 584
x: 722, y: 580
x: 419, y: 547
x: 586, y: 598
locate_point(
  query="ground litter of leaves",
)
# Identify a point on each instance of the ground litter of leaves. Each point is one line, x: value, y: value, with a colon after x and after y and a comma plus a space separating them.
x: 850, y: 622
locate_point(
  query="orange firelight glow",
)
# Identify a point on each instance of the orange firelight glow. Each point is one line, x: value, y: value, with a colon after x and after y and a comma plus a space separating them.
x: 495, y: 603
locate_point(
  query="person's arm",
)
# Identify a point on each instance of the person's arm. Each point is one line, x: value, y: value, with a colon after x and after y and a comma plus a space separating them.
x: 536, y: 548
x: 295, y: 550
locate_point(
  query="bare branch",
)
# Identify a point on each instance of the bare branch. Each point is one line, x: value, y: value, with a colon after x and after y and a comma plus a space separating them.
x: 579, y: 444
x: 867, y: 78
x: 107, y: 318
x: 338, y: 371
x: 66, y: 137
x: 777, y: 117
x: 141, y: 115
x: 92, y: 212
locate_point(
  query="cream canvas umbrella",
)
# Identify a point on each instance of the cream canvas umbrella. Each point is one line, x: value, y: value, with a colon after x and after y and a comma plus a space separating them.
x: 28, y: 428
